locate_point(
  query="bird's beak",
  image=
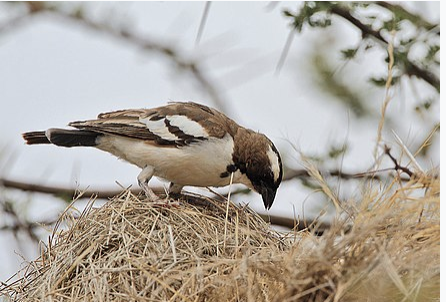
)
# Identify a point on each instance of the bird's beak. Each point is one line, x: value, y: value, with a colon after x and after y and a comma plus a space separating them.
x: 268, y: 195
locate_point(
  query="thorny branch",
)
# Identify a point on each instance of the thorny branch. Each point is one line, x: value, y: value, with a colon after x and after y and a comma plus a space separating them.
x: 411, y: 68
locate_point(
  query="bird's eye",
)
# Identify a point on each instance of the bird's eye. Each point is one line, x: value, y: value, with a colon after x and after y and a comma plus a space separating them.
x: 243, y: 167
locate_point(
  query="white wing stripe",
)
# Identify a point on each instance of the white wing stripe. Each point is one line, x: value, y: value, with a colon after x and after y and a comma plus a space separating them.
x: 159, y: 128
x: 188, y: 126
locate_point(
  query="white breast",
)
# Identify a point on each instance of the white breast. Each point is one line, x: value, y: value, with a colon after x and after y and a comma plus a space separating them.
x: 199, y: 164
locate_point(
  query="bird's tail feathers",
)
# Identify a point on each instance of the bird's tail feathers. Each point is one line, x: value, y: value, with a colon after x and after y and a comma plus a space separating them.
x: 35, y: 137
x: 62, y: 137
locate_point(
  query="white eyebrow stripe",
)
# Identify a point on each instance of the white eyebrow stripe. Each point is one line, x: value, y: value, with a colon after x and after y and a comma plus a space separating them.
x: 274, y: 160
x: 187, y: 125
x: 159, y: 128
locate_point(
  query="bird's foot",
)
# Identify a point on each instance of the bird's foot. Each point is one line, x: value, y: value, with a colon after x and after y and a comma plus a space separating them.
x: 155, y: 199
x: 149, y: 192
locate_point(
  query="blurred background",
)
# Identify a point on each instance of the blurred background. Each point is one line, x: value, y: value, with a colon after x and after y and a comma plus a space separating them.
x: 313, y: 76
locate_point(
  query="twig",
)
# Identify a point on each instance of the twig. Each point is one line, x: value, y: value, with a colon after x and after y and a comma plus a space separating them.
x: 397, y: 165
x: 365, y: 29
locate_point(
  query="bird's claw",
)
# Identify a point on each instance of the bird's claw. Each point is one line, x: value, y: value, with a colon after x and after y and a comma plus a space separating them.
x: 149, y: 192
x: 155, y: 199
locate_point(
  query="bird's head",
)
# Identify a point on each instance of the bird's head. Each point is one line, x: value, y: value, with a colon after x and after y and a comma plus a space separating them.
x: 257, y: 157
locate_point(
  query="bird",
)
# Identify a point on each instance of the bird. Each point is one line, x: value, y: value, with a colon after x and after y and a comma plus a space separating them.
x: 186, y: 143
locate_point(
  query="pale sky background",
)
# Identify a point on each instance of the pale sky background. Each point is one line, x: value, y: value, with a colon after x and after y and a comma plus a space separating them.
x: 53, y: 72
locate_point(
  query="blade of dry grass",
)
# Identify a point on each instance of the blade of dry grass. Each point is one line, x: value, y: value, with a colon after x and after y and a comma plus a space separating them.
x: 387, y: 97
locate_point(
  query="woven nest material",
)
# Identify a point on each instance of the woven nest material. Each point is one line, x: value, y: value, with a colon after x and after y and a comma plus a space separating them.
x: 134, y: 250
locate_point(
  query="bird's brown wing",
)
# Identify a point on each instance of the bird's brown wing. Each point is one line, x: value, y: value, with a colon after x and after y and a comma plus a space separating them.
x: 176, y: 124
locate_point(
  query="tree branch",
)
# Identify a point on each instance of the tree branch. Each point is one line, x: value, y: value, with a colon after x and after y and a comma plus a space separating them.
x: 415, y: 19
x: 370, y: 175
x: 411, y: 68
x: 314, y: 226
x: 66, y: 193
x: 69, y: 193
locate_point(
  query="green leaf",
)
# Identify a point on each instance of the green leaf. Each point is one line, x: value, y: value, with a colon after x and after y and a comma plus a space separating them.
x: 336, y: 151
x: 381, y: 81
x: 349, y: 53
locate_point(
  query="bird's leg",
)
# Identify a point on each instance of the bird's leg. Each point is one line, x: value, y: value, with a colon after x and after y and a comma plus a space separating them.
x: 143, y: 181
x: 175, y: 191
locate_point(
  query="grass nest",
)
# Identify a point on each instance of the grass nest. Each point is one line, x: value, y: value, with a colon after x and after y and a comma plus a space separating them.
x: 386, y: 247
